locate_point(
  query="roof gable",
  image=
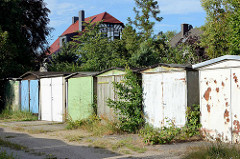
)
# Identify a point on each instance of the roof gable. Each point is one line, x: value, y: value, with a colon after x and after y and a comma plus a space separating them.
x: 105, y: 17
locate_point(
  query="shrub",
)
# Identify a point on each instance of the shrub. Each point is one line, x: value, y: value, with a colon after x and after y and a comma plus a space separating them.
x: 129, y: 106
x: 193, y: 121
x: 163, y: 135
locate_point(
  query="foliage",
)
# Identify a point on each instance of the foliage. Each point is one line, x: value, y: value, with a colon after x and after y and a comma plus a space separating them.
x: 217, y: 150
x: 26, y: 22
x: 147, y: 9
x: 65, y: 60
x: 234, y: 27
x: 222, y: 30
x: 9, y: 115
x: 95, y: 125
x: 96, y: 51
x: 163, y: 135
x: 4, y: 155
x: 193, y: 120
x: 216, y: 28
x: 129, y: 106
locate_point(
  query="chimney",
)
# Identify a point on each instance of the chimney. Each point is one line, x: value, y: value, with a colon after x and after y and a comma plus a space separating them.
x: 81, y: 19
x: 184, y: 29
x: 74, y: 19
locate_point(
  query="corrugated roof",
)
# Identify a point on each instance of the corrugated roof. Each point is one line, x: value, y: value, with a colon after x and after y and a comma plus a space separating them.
x: 81, y: 74
x: 45, y: 74
x: 219, y: 59
x: 105, y: 17
x: 185, y: 66
x: 136, y: 70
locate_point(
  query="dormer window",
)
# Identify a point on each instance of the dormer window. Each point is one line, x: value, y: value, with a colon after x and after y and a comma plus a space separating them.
x: 63, y: 40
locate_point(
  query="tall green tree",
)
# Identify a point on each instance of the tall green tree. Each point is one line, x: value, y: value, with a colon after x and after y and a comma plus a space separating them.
x: 220, y: 35
x: 234, y: 26
x: 145, y: 10
x: 96, y: 51
x: 26, y: 22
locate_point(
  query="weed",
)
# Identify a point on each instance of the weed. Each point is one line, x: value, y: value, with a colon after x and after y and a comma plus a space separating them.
x: 193, y: 121
x: 128, y: 143
x: 129, y: 106
x: 94, y: 125
x: 99, y: 144
x: 72, y: 138
x: 12, y: 145
x: 217, y: 150
x: 9, y: 115
x: 4, y: 155
x: 163, y: 135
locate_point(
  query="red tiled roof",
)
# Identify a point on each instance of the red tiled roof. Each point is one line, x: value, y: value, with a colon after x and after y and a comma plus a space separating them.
x: 106, y: 17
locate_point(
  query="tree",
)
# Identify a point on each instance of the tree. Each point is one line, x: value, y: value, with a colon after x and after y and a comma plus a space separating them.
x: 147, y: 9
x: 25, y: 21
x: 96, y: 51
x: 234, y: 27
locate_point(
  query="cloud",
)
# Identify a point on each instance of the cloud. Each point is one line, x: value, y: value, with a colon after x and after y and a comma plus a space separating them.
x: 180, y: 6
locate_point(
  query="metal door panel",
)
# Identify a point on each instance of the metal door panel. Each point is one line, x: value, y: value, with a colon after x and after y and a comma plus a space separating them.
x: 152, y: 99
x: 24, y: 95
x: 57, y: 99
x: 235, y: 108
x: 46, y: 99
x: 80, y: 97
x: 215, y: 103
x: 34, y: 96
x: 105, y: 91
x: 174, y: 97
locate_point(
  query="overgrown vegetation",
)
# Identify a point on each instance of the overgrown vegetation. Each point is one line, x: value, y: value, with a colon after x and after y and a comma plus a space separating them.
x: 193, y: 121
x: 9, y: 115
x: 4, y: 155
x: 128, y: 108
x: 170, y: 132
x: 216, y: 150
x: 95, y: 125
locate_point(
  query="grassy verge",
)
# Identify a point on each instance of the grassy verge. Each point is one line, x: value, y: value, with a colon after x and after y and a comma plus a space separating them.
x: 8, y: 115
x: 217, y: 150
x: 4, y: 155
x: 95, y: 126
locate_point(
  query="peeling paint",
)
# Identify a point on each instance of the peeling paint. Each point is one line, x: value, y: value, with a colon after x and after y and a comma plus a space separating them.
x: 206, y: 83
x: 215, y: 81
x: 226, y: 113
x: 223, y: 84
x: 236, y: 126
x: 226, y: 104
x: 217, y: 89
x: 208, y: 108
x: 206, y: 94
x: 182, y: 79
x: 235, y: 115
x: 235, y: 78
x: 228, y: 120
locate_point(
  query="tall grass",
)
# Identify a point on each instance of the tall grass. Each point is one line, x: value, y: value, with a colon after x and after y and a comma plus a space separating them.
x: 95, y: 125
x: 10, y: 115
x: 217, y: 150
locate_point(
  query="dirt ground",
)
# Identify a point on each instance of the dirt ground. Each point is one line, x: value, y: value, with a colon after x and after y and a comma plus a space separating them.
x: 42, y: 139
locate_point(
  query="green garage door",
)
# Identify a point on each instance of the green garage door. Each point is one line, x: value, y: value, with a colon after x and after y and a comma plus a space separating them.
x: 80, y: 97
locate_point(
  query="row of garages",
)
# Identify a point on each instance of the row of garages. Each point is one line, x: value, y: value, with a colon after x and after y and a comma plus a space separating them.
x: 168, y: 89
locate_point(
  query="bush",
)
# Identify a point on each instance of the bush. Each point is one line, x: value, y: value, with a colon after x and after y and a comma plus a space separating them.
x: 217, y: 150
x: 17, y: 115
x: 193, y: 121
x: 163, y: 135
x: 129, y: 106
x: 95, y: 125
